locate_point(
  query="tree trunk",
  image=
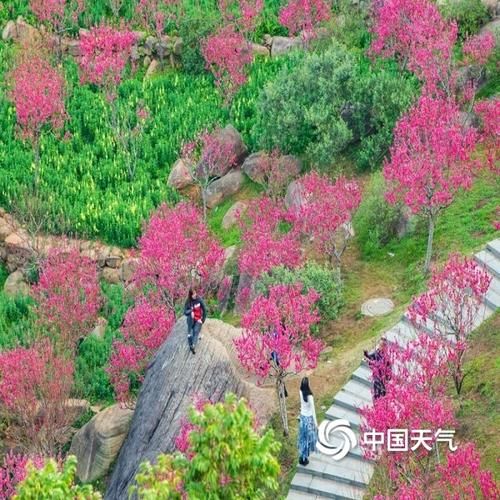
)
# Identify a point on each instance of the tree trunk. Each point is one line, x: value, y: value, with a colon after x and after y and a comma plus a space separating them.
x: 280, y: 388
x: 430, y: 239
x: 36, y: 154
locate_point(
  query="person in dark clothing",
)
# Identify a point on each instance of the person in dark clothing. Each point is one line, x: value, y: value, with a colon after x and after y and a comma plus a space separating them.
x: 196, y: 314
x: 381, y: 368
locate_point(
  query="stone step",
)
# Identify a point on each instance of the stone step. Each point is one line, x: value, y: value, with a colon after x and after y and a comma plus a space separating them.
x: 402, y: 333
x: 327, y: 488
x: 492, y: 299
x: 350, y: 401
x: 358, y: 389
x: 335, y: 412
x: 488, y: 259
x: 494, y: 247
x: 348, y: 470
x: 300, y: 495
x: 363, y: 375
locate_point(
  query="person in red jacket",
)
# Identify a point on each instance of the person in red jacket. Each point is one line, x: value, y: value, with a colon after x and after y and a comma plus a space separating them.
x: 196, y: 314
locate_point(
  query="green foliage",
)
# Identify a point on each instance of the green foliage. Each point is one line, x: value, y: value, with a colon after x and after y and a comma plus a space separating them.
x: 50, y: 483
x: 329, y: 101
x: 325, y: 280
x: 469, y: 14
x: 375, y: 221
x: 230, y: 459
x: 91, y: 379
x: 16, y: 321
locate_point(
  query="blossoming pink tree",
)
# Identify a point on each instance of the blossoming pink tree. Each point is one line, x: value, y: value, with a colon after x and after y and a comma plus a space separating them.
x: 59, y: 15
x: 210, y: 158
x: 178, y: 252
x: 325, y: 212
x: 227, y: 53
x: 34, y: 386
x: 13, y: 470
x: 415, y: 32
x: 152, y: 14
x: 489, y: 112
x: 37, y: 92
x: 104, y: 53
x: 145, y: 327
x: 277, y: 339
x: 450, y: 308
x: 304, y: 16
x: 68, y: 296
x: 431, y: 160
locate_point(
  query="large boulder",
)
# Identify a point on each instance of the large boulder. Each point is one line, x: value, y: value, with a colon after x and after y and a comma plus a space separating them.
x: 232, y: 143
x: 180, y: 175
x: 172, y: 380
x: 98, y: 442
x: 15, y: 284
x: 223, y: 188
x: 283, y: 44
x: 231, y: 216
x: 288, y: 163
x: 493, y: 27
x: 260, y: 50
x: 493, y: 6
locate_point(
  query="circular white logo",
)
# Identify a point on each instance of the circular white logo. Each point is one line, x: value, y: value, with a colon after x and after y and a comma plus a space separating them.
x: 328, y: 430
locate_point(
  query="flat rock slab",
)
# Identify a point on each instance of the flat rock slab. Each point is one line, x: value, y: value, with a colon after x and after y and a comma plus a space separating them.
x: 377, y: 307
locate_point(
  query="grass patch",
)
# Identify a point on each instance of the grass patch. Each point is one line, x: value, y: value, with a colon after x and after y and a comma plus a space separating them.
x: 478, y: 416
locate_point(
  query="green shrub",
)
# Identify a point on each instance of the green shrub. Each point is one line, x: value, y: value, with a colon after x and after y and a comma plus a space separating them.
x: 469, y: 14
x: 16, y: 321
x: 323, y: 279
x: 327, y: 102
x: 375, y: 221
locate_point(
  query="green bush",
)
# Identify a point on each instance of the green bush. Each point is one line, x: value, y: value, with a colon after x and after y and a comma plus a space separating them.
x: 323, y: 279
x: 469, y: 14
x: 327, y: 102
x: 375, y: 221
x: 16, y: 321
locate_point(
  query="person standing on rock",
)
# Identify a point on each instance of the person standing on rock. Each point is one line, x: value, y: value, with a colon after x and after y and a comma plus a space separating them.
x: 196, y: 314
x: 308, y: 427
x: 380, y: 366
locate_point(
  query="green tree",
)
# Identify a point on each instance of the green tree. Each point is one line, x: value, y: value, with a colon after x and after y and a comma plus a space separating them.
x: 51, y: 483
x: 228, y: 459
x: 328, y: 102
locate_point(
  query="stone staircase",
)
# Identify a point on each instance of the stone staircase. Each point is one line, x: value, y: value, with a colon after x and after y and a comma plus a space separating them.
x: 348, y: 478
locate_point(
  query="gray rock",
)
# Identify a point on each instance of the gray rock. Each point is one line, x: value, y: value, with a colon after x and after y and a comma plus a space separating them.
x: 251, y: 166
x: 100, y: 328
x: 152, y: 69
x: 493, y: 6
x: 9, y: 32
x: 128, y: 268
x: 172, y: 379
x: 283, y: 44
x: 223, y: 188
x: 178, y: 44
x: 231, y: 217
x: 260, y: 50
x: 294, y: 197
x: 377, y: 307
x: 111, y: 275
x: 98, y: 442
x: 150, y: 43
x: 493, y: 27
x: 15, y: 284
x: 180, y: 175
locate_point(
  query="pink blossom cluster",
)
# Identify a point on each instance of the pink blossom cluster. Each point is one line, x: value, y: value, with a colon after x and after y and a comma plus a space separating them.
x: 489, y: 112
x: 324, y: 209
x: 13, y: 470
x: 178, y: 252
x: 478, y: 48
x: 431, y: 157
x: 304, y: 16
x: 265, y: 244
x: 68, y: 295
x: 38, y: 96
x: 243, y: 14
x: 281, y: 324
x: 35, y: 382
x: 415, y: 32
x: 58, y: 13
x: 104, y: 52
x: 152, y: 14
x: 226, y: 53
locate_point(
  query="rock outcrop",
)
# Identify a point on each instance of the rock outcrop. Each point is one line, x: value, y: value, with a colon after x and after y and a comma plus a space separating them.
x: 172, y: 379
x: 231, y: 216
x: 223, y: 188
x: 98, y: 442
